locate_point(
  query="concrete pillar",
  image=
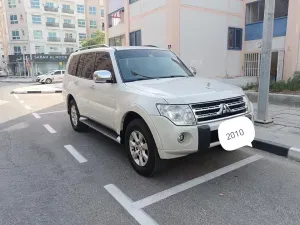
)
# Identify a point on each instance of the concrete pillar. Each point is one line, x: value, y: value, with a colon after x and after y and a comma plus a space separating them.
x: 280, y: 65
x: 105, y: 6
x: 292, y: 40
x: 126, y: 21
x: 173, y: 11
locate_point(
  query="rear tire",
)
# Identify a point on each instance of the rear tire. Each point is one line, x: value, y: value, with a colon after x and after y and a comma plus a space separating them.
x: 48, y: 81
x: 74, y: 118
x: 141, y: 149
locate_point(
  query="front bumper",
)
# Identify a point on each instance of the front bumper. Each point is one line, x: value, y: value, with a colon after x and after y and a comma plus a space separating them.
x: 197, y: 138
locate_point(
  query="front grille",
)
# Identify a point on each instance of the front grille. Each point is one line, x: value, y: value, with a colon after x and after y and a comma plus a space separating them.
x: 219, y: 109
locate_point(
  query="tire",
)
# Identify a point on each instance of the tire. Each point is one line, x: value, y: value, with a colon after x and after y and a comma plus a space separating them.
x: 74, y: 117
x: 154, y: 164
x: 48, y: 81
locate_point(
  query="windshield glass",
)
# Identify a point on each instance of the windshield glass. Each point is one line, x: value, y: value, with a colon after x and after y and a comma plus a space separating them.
x: 145, y: 64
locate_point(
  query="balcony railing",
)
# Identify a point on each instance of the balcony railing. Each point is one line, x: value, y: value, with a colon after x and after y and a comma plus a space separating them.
x: 52, y: 24
x: 68, y: 25
x: 70, y: 40
x: 254, y: 31
x: 70, y: 11
x: 55, y: 53
x: 81, y: 25
x: 50, y: 9
x: 53, y: 39
x: 69, y: 52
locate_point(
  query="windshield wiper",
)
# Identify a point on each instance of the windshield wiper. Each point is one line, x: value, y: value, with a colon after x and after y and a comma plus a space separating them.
x: 137, y: 74
x: 173, y: 76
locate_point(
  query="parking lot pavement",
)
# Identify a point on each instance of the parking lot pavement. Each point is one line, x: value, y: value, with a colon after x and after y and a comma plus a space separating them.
x: 53, y: 175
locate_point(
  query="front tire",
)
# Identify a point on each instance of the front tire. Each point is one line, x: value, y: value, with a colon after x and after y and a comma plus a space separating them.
x: 74, y: 117
x: 141, y: 149
x: 48, y: 81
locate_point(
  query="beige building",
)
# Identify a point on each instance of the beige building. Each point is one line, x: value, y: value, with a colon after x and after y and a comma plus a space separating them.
x: 3, y: 38
x: 94, y: 16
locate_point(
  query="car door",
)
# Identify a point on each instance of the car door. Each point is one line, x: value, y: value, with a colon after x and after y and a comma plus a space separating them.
x: 56, y: 76
x: 102, y: 97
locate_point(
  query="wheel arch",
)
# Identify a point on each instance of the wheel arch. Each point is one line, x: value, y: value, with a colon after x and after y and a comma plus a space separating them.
x: 69, y: 99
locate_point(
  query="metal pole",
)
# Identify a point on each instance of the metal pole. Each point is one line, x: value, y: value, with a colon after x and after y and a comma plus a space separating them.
x: 264, y: 75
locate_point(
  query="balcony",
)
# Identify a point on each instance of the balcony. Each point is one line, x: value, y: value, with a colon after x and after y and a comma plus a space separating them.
x: 254, y: 31
x: 68, y: 25
x: 55, y: 53
x: 52, y: 24
x: 69, y: 11
x: 70, y: 40
x: 50, y: 9
x: 53, y: 39
x: 81, y: 25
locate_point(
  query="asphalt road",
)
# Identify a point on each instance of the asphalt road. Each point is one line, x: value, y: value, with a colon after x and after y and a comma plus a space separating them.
x: 50, y: 174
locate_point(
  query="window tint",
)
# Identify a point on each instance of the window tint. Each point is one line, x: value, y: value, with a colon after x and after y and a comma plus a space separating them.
x: 86, y: 65
x: 103, y: 62
x: 57, y: 72
x: 73, y: 65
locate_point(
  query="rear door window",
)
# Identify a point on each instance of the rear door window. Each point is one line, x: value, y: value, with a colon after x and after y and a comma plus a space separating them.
x: 72, y: 70
x: 86, y: 65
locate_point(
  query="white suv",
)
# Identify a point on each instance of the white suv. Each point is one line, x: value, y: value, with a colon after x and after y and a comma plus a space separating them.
x: 147, y: 99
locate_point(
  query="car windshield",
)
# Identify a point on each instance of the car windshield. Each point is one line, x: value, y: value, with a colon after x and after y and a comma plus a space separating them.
x: 145, y: 64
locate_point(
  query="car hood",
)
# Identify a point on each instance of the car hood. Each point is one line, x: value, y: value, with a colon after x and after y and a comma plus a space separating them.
x: 187, y: 90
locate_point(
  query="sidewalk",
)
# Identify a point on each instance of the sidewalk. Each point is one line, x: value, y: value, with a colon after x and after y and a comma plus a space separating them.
x: 17, y: 79
x: 285, y: 129
x: 39, y: 89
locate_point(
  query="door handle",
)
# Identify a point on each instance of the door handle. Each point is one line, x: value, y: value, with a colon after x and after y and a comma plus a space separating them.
x: 92, y: 87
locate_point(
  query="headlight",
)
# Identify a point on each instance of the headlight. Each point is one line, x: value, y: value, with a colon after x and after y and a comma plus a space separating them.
x: 247, y: 103
x: 179, y: 114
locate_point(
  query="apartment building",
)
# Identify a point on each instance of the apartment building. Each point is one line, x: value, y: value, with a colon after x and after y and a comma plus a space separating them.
x: 3, y: 38
x: 43, y: 33
x: 220, y: 38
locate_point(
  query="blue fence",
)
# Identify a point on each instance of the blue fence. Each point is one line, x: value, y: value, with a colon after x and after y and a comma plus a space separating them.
x: 254, y: 31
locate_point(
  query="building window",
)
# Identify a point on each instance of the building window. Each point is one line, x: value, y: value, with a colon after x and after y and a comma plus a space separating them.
x: 93, y: 35
x: 16, y: 35
x: 93, y: 24
x: 81, y: 23
x: 39, y: 50
x: 136, y: 38
x: 13, y: 19
x: 116, y: 18
x: 51, y: 34
x: 255, y: 10
x: 69, y: 50
x: 17, y: 50
x: 82, y: 36
x: 38, y: 34
x: 92, y: 10
x: 36, y: 19
x: 235, y: 37
x: 103, y: 27
x: 49, y: 4
x: 50, y: 20
x: 12, y: 4
x: 80, y: 8
x: 132, y: 1
x: 117, y: 41
x: 68, y: 7
x: 68, y: 21
x: 35, y: 4
x: 102, y: 12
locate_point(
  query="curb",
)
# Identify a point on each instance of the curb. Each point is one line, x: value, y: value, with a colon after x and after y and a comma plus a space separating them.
x: 19, y: 81
x: 36, y: 92
x: 277, y: 99
x: 277, y: 149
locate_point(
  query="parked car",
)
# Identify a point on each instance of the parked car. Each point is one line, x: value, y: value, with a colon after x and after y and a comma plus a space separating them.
x: 3, y: 72
x: 53, y: 76
x: 148, y: 100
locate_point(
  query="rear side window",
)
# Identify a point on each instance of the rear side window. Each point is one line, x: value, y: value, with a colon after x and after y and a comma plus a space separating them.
x: 103, y: 62
x: 57, y: 72
x: 86, y: 65
x: 73, y: 65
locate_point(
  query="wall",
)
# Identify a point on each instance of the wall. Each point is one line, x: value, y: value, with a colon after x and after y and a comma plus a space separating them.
x: 253, y: 46
x: 116, y: 30
x: 114, y: 5
x: 143, y: 6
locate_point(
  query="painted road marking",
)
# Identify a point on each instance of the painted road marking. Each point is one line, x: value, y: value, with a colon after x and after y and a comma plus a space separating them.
x: 75, y: 154
x: 16, y: 96
x: 27, y: 106
x: 3, y: 102
x: 138, y: 214
x: 50, y: 129
x: 36, y: 115
x: 22, y: 101
x: 61, y: 111
x: 192, y: 183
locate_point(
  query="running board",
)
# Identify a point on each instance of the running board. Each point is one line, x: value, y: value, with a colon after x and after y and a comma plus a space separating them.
x: 101, y: 129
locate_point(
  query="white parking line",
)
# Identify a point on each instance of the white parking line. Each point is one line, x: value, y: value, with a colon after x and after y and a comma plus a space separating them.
x: 138, y: 214
x: 36, y: 115
x: 22, y: 101
x: 62, y: 111
x: 75, y: 154
x: 50, y: 129
x: 16, y: 96
x: 192, y: 183
x: 27, y: 106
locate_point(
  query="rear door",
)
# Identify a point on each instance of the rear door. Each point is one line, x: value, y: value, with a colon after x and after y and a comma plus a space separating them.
x: 57, y: 76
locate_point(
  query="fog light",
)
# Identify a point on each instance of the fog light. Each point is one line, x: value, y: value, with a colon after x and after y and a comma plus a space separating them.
x: 180, y: 138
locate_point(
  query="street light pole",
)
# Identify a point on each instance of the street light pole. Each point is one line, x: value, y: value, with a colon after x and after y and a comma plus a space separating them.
x: 264, y: 75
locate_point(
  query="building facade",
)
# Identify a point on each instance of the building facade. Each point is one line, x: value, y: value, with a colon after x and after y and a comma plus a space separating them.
x: 220, y: 38
x: 42, y: 33
x: 3, y: 38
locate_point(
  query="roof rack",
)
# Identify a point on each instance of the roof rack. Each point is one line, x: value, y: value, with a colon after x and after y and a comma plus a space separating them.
x: 92, y: 46
x: 150, y: 46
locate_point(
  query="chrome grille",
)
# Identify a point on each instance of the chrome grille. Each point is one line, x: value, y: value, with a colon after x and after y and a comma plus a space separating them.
x: 219, y: 109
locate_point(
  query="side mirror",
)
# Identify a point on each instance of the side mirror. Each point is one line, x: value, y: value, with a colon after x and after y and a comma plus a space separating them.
x: 102, y: 76
x: 193, y: 69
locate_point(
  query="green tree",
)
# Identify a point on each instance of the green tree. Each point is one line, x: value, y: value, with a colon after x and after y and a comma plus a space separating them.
x: 99, y: 38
